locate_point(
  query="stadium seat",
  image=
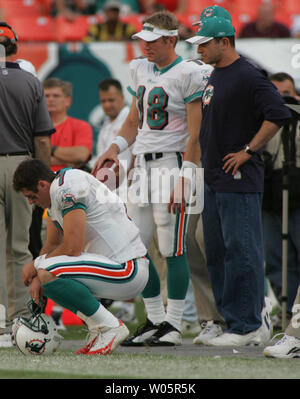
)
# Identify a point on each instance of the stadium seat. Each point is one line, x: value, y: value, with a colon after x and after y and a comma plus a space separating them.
x: 239, y: 20
x: 195, y: 7
x: 70, y: 31
x: 14, y: 8
x: 187, y: 20
x: 245, y: 9
x: 135, y: 20
x: 284, y: 17
x: 292, y: 6
x: 32, y: 28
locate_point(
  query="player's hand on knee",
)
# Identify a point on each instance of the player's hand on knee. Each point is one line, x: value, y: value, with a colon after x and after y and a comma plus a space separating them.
x: 28, y: 273
x: 35, y: 290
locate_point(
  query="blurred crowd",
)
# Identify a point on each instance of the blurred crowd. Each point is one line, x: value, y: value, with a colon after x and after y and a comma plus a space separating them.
x: 259, y: 18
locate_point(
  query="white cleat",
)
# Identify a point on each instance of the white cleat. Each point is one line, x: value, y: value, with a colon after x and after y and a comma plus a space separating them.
x: 230, y: 339
x: 211, y: 330
x: 287, y: 347
x: 108, y: 339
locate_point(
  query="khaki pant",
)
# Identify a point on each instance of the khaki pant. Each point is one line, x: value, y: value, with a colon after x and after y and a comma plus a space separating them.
x: 293, y: 328
x: 204, y: 298
x: 15, y: 220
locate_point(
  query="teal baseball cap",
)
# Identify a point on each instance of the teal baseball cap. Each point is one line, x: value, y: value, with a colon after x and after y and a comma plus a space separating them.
x: 209, y: 28
x: 213, y: 11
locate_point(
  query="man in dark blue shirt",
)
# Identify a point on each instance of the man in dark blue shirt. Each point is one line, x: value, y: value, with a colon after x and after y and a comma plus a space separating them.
x: 242, y: 111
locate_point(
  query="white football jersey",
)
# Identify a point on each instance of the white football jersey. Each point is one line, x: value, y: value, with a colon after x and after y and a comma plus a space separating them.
x: 109, y: 231
x: 162, y: 95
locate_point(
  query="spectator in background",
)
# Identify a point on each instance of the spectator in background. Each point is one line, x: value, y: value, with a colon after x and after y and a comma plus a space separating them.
x: 72, y: 142
x: 272, y: 207
x: 265, y: 25
x: 70, y: 9
x: 25, y: 127
x: 112, y: 29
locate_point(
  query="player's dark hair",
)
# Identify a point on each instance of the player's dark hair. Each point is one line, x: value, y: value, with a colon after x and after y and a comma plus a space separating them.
x: 281, y: 77
x: 29, y: 173
x: 230, y: 38
x: 10, y: 45
x: 107, y: 83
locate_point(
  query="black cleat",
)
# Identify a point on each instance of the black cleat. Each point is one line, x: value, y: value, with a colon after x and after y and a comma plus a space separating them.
x: 142, y: 333
x: 166, y: 335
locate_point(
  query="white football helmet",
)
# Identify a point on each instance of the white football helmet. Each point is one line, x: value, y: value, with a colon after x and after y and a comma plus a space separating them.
x: 36, y: 335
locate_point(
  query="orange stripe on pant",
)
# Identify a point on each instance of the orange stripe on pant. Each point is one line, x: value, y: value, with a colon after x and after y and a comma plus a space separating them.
x: 180, y: 234
x: 94, y: 270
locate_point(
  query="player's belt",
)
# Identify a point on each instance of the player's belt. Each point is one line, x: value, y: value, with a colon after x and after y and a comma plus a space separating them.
x: 151, y: 156
x: 10, y: 154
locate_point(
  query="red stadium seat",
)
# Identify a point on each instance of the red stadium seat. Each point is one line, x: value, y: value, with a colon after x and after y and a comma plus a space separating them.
x: 245, y: 8
x: 14, y: 8
x: 195, y: 7
x: 284, y: 17
x: 292, y: 6
x: 68, y: 31
x: 32, y: 28
x: 135, y: 20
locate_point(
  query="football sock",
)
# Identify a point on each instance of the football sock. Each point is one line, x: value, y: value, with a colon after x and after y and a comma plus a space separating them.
x: 101, y: 318
x: 75, y: 296
x: 72, y: 295
x: 152, y: 288
x: 178, y: 276
x: 177, y: 283
x: 175, y: 308
x: 155, y: 309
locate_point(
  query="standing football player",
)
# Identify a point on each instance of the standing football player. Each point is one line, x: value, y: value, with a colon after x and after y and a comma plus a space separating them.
x: 164, y: 122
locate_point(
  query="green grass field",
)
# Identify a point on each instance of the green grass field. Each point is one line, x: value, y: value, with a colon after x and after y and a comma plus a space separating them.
x: 65, y: 365
x: 151, y: 365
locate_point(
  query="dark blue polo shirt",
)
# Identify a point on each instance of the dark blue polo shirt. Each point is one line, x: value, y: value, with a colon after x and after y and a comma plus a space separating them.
x: 236, y: 101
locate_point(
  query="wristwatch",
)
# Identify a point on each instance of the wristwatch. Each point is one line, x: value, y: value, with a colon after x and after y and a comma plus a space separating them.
x: 248, y: 151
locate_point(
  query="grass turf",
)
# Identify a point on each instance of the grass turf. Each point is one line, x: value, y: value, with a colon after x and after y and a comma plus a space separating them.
x: 65, y: 365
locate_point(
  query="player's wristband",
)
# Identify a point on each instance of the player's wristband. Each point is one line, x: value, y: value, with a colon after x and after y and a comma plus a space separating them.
x: 188, y: 170
x: 121, y: 143
x: 38, y: 260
